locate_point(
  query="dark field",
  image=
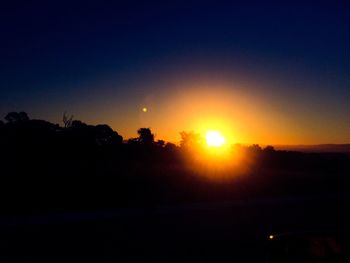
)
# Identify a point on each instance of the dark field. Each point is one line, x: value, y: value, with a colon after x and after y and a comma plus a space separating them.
x: 80, y: 193
x: 216, y: 232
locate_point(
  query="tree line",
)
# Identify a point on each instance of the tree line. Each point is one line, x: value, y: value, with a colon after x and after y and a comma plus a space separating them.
x: 46, y: 166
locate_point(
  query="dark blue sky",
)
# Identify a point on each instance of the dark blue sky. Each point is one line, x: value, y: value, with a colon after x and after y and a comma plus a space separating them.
x: 58, y: 56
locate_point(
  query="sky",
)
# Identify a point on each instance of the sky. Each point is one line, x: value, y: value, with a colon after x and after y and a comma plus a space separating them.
x: 258, y: 71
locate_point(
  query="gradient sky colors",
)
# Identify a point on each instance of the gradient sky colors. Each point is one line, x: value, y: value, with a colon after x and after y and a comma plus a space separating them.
x: 260, y: 72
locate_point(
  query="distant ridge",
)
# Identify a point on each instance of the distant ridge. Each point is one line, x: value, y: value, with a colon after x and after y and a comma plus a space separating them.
x: 324, y: 148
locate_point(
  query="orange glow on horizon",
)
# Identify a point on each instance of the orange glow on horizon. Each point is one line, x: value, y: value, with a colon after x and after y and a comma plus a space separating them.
x: 226, y: 106
x: 241, y: 109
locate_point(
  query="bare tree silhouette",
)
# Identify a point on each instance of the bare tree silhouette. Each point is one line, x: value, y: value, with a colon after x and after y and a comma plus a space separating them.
x: 67, y: 121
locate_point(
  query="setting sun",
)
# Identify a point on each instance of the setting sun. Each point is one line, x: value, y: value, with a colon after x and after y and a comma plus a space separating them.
x: 214, y: 139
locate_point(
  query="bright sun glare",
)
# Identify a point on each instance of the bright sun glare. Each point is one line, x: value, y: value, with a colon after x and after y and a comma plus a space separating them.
x: 214, y: 139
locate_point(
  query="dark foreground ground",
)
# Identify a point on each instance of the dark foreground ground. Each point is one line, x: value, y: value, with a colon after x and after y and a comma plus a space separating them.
x: 78, y: 193
x: 202, y: 232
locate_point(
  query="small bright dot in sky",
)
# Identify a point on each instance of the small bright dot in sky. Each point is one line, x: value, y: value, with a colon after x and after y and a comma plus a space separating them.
x: 271, y: 236
x: 214, y: 139
x: 144, y: 109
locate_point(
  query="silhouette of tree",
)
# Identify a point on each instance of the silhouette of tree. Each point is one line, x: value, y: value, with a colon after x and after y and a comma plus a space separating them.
x: 67, y: 121
x: 170, y: 146
x: 269, y: 149
x: 190, y: 140
x: 255, y: 148
x: 76, y: 124
x: 105, y: 135
x: 133, y: 141
x: 160, y: 143
x: 13, y: 117
x: 23, y: 116
x: 92, y: 158
x: 145, y: 136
